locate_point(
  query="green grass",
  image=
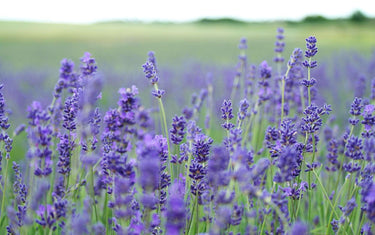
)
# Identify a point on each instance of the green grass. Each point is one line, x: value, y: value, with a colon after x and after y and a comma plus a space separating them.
x: 124, y: 46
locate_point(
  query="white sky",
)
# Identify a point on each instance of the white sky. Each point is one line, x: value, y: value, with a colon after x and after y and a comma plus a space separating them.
x: 87, y: 11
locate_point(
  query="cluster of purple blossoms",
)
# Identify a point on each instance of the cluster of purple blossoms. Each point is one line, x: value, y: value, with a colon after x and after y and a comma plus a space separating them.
x: 312, y: 121
x: 355, y: 110
x: 288, y: 163
x: 332, y: 156
x: 151, y: 73
x: 296, y: 192
x: 18, y: 217
x: 88, y: 65
x: 176, y: 211
x: 368, y: 121
x: 310, y: 52
x: 227, y: 114
x: 279, y: 46
x: 4, y: 125
x: 40, y: 135
x: 295, y: 58
x: 178, y: 129
x: 242, y: 112
x: 368, y: 197
x: 264, y: 85
x: 242, y: 57
x: 67, y: 79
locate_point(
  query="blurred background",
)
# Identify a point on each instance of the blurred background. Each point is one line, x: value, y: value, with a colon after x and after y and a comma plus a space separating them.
x: 191, y: 40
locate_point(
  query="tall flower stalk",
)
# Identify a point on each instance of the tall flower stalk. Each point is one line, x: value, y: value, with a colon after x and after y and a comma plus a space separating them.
x: 150, y: 70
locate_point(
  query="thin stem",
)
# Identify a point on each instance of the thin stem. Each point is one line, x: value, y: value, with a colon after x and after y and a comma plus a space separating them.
x: 282, y: 93
x: 5, y: 188
x: 164, y: 124
x: 309, y: 78
x: 334, y: 205
x: 309, y: 176
x: 93, y: 192
x: 325, y: 192
x: 247, y: 128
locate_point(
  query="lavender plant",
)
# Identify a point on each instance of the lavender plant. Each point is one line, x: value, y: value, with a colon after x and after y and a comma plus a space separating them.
x: 125, y: 171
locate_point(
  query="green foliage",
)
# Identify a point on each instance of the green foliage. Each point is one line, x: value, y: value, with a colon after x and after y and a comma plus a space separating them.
x: 358, y: 17
x: 315, y: 19
x: 220, y: 21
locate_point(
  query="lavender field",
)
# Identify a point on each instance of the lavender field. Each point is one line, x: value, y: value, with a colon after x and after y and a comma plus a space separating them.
x: 187, y: 129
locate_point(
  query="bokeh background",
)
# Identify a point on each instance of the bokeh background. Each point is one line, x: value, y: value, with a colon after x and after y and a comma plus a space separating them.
x: 191, y: 42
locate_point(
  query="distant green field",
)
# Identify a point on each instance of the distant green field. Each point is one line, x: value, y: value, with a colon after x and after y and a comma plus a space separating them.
x: 124, y: 46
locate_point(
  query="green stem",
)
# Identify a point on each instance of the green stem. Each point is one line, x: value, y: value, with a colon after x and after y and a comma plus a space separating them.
x: 92, y: 190
x: 282, y: 93
x: 309, y: 78
x: 5, y: 188
x: 247, y: 128
x: 334, y: 205
x: 163, y: 119
x: 325, y: 192
x: 309, y: 178
x: 302, y: 93
x: 105, y: 212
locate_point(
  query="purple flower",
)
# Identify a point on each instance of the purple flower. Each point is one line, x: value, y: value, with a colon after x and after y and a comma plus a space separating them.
x: 158, y: 93
x: 356, y: 107
x: 128, y: 104
x: 360, y: 86
x: 351, y: 167
x: 288, y: 133
x: 187, y: 112
x: 310, y: 52
x: 350, y: 205
x: 152, y: 59
x: 3, y: 118
x: 176, y: 212
x: 243, y: 44
x: 65, y: 148
x: 226, y: 110
x: 66, y: 69
x: 288, y: 164
x: 279, y: 46
x: 149, y: 168
x: 242, y: 112
x: 332, y: 155
x: 299, y: 228
x: 236, y: 215
x: 264, y: 86
x: 368, y: 196
x: 234, y: 140
x: 70, y: 112
x: 372, y: 96
x: 217, y: 166
x: 354, y: 148
x: 178, y: 129
x: 295, y: 58
x: 197, y: 170
x: 47, y: 216
x: 296, y: 192
x: 88, y: 64
x: 265, y: 70
x: 18, y: 218
x: 227, y: 114
x: 201, y: 147
x: 312, y: 121
x: 67, y: 77
x: 150, y: 72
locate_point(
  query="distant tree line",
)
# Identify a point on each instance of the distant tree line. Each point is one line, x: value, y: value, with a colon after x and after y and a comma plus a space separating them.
x: 356, y: 17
